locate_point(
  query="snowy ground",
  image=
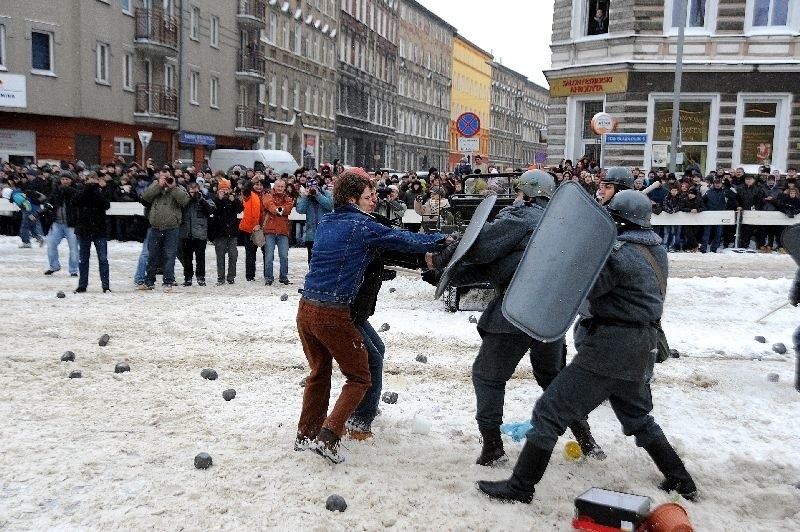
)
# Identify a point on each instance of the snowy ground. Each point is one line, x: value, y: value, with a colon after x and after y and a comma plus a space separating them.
x: 116, y: 451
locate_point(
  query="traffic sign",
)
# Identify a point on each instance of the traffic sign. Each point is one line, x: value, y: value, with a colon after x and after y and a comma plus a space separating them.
x: 468, y: 124
x: 470, y: 145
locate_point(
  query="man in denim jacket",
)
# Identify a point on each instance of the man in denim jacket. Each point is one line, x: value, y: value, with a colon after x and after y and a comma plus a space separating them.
x: 346, y: 242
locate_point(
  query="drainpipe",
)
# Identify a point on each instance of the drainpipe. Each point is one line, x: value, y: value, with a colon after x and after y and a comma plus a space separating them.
x: 180, y: 81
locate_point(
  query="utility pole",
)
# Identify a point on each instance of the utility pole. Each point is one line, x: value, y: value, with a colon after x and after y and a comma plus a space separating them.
x: 676, y: 93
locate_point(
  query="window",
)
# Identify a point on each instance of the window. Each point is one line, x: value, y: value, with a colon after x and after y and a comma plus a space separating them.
x: 701, y: 16
x: 169, y: 75
x: 284, y: 142
x: 194, y: 23
x: 272, y: 28
x: 123, y: 146
x: 213, y: 92
x: 42, y: 51
x: 296, y: 96
x: 214, y: 28
x: 194, y: 83
x: 101, y: 68
x: 127, y: 72
x: 761, y: 134
x: 285, y: 93
x: 298, y: 37
x: 126, y: 7
x: 271, y: 140
x: 273, y: 89
x: 2, y: 47
x: 308, y: 100
x: 770, y: 13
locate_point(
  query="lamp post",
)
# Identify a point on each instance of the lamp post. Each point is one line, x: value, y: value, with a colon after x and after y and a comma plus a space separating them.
x: 676, y: 95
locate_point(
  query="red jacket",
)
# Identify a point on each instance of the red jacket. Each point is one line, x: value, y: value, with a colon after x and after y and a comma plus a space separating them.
x: 252, y: 214
x: 274, y: 223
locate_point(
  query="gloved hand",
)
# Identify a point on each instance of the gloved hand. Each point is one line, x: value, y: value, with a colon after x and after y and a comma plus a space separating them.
x: 432, y: 276
x: 517, y: 431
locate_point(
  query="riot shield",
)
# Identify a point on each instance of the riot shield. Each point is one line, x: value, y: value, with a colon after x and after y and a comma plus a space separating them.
x: 470, y: 236
x: 791, y: 242
x: 561, y: 262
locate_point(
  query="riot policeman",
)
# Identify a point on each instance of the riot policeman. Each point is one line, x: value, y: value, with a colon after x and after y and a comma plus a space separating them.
x: 617, y: 178
x: 493, y: 258
x: 615, y: 359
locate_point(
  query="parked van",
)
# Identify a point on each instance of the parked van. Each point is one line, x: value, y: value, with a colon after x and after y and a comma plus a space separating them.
x: 279, y: 160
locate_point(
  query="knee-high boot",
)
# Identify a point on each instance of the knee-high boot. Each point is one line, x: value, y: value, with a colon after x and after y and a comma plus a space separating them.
x: 670, y: 464
x: 528, y: 471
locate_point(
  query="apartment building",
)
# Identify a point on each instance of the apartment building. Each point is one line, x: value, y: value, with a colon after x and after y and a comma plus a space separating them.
x: 740, y: 102
x: 425, y: 54
x: 367, y: 66
x: 300, y: 40
x: 88, y: 76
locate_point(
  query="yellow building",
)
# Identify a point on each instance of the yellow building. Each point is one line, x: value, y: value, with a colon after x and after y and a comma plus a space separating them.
x: 472, y: 80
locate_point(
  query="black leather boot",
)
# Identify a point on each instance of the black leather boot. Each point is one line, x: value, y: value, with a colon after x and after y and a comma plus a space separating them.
x: 670, y: 464
x: 492, y: 452
x: 528, y: 471
x: 583, y: 434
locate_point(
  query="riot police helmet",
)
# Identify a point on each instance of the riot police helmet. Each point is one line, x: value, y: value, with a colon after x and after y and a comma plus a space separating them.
x: 619, y: 176
x: 537, y: 183
x: 630, y: 209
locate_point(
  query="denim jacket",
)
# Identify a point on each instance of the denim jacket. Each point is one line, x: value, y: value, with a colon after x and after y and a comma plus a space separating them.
x: 346, y: 241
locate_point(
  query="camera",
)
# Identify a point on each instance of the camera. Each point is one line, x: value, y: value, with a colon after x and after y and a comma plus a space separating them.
x: 170, y: 180
x: 383, y: 192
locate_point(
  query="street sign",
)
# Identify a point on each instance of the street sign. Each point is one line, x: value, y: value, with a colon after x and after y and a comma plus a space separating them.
x: 470, y: 145
x: 626, y: 138
x: 144, y: 138
x: 540, y: 157
x: 468, y: 124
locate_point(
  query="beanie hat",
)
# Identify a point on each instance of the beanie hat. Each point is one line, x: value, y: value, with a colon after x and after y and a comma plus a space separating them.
x: 224, y: 184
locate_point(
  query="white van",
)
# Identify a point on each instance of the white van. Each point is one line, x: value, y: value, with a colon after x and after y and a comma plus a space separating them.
x: 279, y: 160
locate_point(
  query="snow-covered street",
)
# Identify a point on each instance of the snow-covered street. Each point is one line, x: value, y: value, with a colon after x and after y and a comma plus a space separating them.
x: 115, y: 451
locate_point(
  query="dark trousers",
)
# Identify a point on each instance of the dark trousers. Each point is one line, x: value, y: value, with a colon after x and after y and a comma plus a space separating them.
x: 745, y: 235
x: 225, y: 246
x: 162, y: 250
x: 712, y: 234
x: 690, y: 236
x: 309, y: 247
x: 495, y: 364
x: 250, y: 251
x: 328, y: 334
x: 576, y: 391
x: 368, y: 408
x: 194, y: 250
x: 84, y: 253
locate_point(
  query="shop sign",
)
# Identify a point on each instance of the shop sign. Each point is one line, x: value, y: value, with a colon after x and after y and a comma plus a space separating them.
x: 597, y: 84
x: 12, y: 90
x: 200, y: 139
x: 17, y: 141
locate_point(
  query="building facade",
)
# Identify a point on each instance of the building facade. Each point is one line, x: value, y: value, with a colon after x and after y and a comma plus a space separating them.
x: 367, y: 66
x: 425, y: 54
x: 92, y: 74
x: 471, y: 92
x: 535, y: 109
x: 740, y: 92
x: 300, y: 40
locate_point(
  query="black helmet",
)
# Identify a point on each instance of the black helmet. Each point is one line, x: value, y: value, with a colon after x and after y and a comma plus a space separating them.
x: 630, y: 207
x: 537, y: 183
x: 620, y: 176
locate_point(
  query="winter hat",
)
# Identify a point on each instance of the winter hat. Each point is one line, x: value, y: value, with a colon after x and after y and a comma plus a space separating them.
x: 437, y: 190
x: 200, y: 181
x: 224, y: 184
x: 68, y: 174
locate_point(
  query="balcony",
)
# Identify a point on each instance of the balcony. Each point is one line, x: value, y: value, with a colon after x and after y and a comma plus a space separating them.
x: 250, y: 66
x: 251, y: 14
x: 156, y: 33
x: 250, y: 120
x: 156, y: 104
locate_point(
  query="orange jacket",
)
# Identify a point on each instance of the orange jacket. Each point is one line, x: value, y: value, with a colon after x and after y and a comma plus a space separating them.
x: 252, y: 215
x: 274, y: 223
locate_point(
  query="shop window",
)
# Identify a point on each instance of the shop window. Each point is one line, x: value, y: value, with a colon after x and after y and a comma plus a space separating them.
x: 42, y: 51
x: 693, y: 135
x: 123, y: 146
x: 761, y: 132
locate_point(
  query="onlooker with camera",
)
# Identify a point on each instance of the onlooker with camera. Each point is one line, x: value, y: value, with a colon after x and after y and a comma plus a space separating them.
x: 432, y: 210
x: 167, y: 200
x: 389, y: 204
x: 225, y: 228
x: 63, y: 226
x: 90, y: 228
x: 252, y: 218
x: 277, y: 206
x: 314, y: 202
x: 194, y: 234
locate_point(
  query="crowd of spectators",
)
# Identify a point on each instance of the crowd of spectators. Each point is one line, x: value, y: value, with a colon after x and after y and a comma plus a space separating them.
x: 250, y: 208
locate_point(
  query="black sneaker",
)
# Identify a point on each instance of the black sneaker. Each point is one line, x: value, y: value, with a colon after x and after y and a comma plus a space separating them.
x: 80, y: 290
x: 220, y: 282
x: 185, y: 283
x: 50, y: 272
x: 230, y: 281
x: 106, y: 290
x: 268, y: 282
x: 201, y: 282
x: 285, y: 281
x: 73, y: 274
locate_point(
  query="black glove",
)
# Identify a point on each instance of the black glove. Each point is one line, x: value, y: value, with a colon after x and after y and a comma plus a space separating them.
x: 432, y: 276
x: 794, y: 291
